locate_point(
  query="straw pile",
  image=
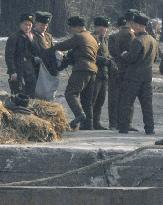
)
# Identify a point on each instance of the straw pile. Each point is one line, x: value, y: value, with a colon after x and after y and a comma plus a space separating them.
x: 5, y: 116
x: 52, y: 112
x: 11, y: 136
x: 33, y: 128
x: 47, y: 124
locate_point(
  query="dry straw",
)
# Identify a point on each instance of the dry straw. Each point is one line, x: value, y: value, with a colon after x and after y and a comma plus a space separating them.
x: 47, y: 124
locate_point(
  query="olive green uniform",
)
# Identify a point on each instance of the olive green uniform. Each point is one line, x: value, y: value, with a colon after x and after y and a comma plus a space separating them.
x: 113, y: 87
x: 101, y: 82
x: 118, y: 43
x: 79, y: 91
x: 19, y: 54
x: 137, y: 81
x: 44, y: 43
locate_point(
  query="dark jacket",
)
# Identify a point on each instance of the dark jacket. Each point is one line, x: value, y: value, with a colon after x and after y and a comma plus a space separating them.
x: 140, y: 58
x: 19, y: 50
x: 122, y: 41
x: 111, y: 44
x: 44, y: 43
x: 102, y: 52
x: 84, y: 47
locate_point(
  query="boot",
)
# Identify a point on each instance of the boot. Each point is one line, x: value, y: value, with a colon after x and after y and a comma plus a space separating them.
x: 74, y: 124
x: 123, y: 131
x: 150, y: 132
x: 86, y: 124
x: 159, y: 142
x: 98, y: 126
x: 133, y: 129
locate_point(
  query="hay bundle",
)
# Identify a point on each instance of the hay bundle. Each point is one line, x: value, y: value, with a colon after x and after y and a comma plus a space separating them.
x: 5, y: 116
x: 47, y: 125
x: 11, y: 136
x: 33, y: 128
x: 52, y: 112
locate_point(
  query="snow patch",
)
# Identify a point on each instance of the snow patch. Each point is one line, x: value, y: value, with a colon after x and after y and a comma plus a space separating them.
x: 2, y: 39
x: 157, y: 80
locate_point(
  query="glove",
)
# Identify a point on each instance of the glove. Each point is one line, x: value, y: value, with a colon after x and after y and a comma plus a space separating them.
x: 67, y: 60
x: 64, y: 64
x: 59, y: 56
x: 15, y: 86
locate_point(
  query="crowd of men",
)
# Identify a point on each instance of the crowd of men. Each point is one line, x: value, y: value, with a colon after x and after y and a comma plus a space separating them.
x: 120, y: 63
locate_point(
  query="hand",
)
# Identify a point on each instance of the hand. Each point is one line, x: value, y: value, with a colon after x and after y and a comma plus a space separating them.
x: 13, y: 77
x: 37, y: 60
x: 59, y: 55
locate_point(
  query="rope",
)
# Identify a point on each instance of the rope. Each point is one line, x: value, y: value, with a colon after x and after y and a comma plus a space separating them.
x: 101, y: 163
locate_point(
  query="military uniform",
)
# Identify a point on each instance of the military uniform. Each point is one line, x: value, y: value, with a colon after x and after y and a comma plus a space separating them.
x: 137, y: 83
x: 101, y: 82
x: 113, y: 87
x: 81, y: 81
x: 118, y: 43
x: 19, y: 54
x: 44, y: 41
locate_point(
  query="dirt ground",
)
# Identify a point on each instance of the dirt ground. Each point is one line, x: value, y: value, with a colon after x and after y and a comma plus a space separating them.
x: 137, y: 122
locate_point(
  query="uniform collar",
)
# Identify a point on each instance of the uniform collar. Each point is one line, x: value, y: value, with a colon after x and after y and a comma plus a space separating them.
x: 24, y: 34
x: 38, y: 33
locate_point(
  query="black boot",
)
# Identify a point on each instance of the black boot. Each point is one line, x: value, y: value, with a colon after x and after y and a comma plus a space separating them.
x: 98, y: 126
x: 86, y: 124
x: 152, y: 132
x: 132, y: 129
x: 123, y: 131
x: 159, y: 142
x: 74, y: 124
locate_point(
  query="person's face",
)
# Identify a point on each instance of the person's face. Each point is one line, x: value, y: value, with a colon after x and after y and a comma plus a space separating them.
x: 137, y: 27
x: 73, y: 30
x: 41, y: 27
x: 26, y: 26
x: 101, y: 30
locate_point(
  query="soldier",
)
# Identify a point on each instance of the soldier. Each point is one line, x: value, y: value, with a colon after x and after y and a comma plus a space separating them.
x: 113, y: 85
x: 138, y: 76
x: 44, y: 41
x: 79, y: 91
x: 101, y: 28
x: 19, y: 54
x: 122, y: 43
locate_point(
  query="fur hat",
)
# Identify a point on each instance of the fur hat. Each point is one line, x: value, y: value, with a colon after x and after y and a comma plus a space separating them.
x: 101, y: 21
x: 76, y: 21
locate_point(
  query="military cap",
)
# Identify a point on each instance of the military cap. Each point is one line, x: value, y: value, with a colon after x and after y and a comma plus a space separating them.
x: 129, y: 15
x: 121, y: 21
x: 101, y: 21
x: 141, y: 19
x: 26, y: 17
x: 43, y: 17
x: 75, y: 21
